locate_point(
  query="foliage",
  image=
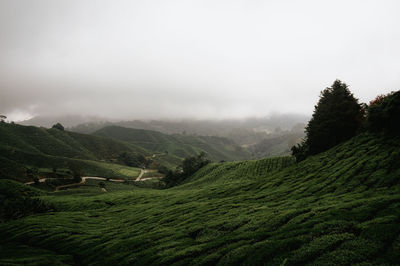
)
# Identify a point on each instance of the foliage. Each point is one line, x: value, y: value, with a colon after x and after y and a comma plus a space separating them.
x: 337, y: 117
x: 58, y: 126
x: 384, y: 113
x: 189, y: 166
x: 132, y: 159
x: 300, y: 151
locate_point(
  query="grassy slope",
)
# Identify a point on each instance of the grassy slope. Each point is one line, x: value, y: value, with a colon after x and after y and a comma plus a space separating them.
x: 177, y: 145
x: 25, y: 146
x: 63, y: 143
x: 13, y: 163
x: 341, y: 207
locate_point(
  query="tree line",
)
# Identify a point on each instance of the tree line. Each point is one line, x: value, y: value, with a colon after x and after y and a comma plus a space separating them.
x: 338, y: 116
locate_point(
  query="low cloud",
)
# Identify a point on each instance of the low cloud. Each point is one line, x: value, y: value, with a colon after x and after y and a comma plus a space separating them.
x: 206, y: 59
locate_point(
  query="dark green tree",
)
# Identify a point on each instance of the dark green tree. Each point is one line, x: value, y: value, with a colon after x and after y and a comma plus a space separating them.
x: 337, y: 117
x: 58, y: 126
x: 189, y: 166
x: 300, y: 151
x: 133, y: 159
x: 384, y: 114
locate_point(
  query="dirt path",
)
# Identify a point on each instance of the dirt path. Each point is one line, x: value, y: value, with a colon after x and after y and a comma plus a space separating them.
x: 83, y: 181
x: 149, y: 178
x: 41, y: 180
x: 90, y: 177
x: 142, y: 172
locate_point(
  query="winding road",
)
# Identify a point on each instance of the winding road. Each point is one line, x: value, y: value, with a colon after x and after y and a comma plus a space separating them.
x: 42, y: 180
x: 142, y: 172
x: 83, y: 181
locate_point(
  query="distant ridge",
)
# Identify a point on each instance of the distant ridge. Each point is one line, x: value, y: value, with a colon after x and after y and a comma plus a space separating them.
x: 217, y: 148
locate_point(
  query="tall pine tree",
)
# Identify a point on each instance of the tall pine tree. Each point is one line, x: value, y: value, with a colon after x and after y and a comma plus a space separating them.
x: 337, y: 117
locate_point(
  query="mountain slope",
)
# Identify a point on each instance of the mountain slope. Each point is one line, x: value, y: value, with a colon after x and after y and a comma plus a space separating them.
x: 182, y: 146
x: 62, y: 143
x: 27, y: 146
x: 339, y: 207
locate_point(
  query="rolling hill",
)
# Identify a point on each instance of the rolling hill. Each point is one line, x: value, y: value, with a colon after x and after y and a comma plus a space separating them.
x: 28, y: 146
x: 339, y: 207
x: 181, y: 146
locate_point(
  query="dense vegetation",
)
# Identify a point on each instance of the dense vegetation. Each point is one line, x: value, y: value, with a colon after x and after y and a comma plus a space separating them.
x: 337, y: 117
x: 384, y: 114
x: 188, y: 167
x: 339, y: 207
x: 181, y: 146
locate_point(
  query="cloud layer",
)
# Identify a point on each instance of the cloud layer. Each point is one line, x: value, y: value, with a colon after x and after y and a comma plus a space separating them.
x: 205, y: 59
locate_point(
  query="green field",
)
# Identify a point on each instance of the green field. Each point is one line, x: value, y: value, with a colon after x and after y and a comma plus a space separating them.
x: 339, y: 207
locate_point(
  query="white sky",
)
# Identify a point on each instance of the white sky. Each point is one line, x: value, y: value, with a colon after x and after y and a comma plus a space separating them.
x: 203, y: 59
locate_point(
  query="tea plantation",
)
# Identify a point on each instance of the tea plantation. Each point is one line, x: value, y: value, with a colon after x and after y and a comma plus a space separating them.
x: 340, y: 207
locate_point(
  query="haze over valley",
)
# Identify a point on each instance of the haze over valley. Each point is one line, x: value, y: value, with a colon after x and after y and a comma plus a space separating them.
x: 199, y: 132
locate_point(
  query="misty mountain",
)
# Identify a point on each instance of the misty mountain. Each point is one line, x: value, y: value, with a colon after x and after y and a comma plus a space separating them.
x: 66, y: 120
x: 276, y: 145
x: 261, y: 137
x: 244, y: 132
x: 181, y: 146
x: 208, y: 127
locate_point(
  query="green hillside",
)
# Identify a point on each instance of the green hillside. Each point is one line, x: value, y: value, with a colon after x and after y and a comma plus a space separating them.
x: 181, y: 146
x: 340, y: 207
x: 62, y: 143
x: 22, y: 147
x: 28, y: 146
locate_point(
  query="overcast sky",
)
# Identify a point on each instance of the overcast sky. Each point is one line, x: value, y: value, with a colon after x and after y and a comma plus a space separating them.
x: 203, y: 59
